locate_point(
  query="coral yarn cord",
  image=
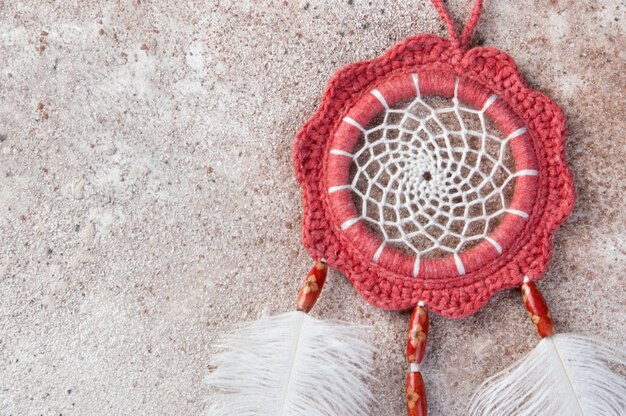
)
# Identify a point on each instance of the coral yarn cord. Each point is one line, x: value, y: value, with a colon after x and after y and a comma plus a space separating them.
x: 466, y: 36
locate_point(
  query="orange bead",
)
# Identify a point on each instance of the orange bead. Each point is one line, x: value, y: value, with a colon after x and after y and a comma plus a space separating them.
x: 415, y: 395
x: 537, y: 309
x: 312, y: 286
x: 418, y: 334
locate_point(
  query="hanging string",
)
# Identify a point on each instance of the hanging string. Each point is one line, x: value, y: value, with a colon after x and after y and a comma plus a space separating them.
x: 472, y: 23
x: 462, y: 40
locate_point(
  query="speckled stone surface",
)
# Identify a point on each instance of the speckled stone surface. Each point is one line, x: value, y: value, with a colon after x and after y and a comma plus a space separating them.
x: 148, y: 203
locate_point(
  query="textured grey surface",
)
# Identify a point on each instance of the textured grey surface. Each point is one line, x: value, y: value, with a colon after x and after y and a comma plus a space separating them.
x: 147, y: 198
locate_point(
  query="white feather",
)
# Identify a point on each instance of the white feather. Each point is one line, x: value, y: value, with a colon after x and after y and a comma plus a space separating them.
x: 565, y: 375
x: 292, y: 365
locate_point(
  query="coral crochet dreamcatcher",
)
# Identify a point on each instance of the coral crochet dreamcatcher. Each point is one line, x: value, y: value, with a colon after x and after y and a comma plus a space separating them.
x: 433, y: 177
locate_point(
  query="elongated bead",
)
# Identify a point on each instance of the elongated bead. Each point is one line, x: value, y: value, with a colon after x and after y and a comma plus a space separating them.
x: 537, y: 308
x: 312, y: 286
x: 418, y: 334
x: 415, y: 395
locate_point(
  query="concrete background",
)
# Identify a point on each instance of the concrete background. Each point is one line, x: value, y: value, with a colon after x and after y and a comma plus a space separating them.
x: 148, y: 202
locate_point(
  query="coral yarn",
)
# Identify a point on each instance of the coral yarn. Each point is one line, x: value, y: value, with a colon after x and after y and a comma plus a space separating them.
x: 479, y: 73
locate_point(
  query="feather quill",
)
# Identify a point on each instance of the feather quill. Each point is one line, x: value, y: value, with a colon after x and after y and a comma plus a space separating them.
x: 565, y: 375
x: 292, y: 365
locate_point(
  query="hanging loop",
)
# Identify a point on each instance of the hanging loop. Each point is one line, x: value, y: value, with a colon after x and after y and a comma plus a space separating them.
x: 465, y: 37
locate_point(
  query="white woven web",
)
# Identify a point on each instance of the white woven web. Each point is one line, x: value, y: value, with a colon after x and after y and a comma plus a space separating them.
x: 432, y: 177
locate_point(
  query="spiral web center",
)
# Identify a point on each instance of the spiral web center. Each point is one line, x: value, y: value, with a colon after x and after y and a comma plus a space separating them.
x: 432, y: 176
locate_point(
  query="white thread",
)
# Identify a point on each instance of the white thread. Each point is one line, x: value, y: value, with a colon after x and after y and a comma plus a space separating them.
x: 340, y: 152
x: 527, y: 172
x: 489, y: 101
x: 416, y: 266
x: 518, y: 212
x: 414, y: 368
x: 459, y: 264
x: 516, y: 133
x: 379, y: 252
x: 495, y: 244
x: 380, y: 98
x: 338, y: 188
x: 349, y: 223
x: 418, y: 93
x: 354, y: 123
x: 430, y: 185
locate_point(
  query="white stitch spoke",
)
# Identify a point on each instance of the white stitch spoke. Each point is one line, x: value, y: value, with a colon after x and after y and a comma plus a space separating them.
x: 349, y: 223
x: 459, y: 264
x: 417, y: 85
x: 380, y: 97
x: 334, y: 189
x: 354, y: 123
x: 527, y: 172
x: 518, y: 213
x: 379, y: 252
x: 516, y: 133
x: 456, y: 92
x: 416, y: 266
x: 339, y: 152
x: 489, y: 101
x: 495, y: 244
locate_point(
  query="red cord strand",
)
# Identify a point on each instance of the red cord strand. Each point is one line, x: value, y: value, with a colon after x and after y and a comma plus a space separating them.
x: 468, y: 31
x: 445, y: 16
x: 472, y: 23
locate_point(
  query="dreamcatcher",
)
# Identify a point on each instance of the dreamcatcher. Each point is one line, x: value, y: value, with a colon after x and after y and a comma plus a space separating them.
x: 433, y: 177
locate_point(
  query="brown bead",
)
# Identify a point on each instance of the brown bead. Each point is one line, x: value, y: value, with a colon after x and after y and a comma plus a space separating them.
x: 418, y: 334
x: 415, y: 395
x: 312, y: 286
x: 537, y: 309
